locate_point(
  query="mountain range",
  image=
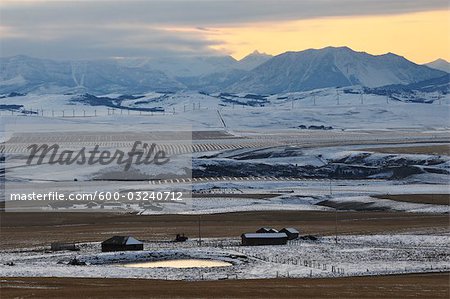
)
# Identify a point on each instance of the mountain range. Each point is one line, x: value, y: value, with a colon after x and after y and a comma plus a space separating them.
x: 256, y: 73
x: 440, y: 64
x: 331, y: 67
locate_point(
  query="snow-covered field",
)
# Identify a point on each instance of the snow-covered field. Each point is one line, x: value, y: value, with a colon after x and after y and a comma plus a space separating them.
x: 311, y: 180
x: 239, y: 112
x: 303, y: 148
x: 352, y: 255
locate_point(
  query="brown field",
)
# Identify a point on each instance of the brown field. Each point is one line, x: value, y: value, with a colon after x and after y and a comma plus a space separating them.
x: 231, y: 195
x: 395, y: 286
x: 436, y: 199
x: 32, y: 229
x: 441, y: 149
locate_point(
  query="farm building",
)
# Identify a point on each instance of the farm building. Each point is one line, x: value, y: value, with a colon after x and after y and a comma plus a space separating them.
x: 255, y: 239
x: 63, y: 246
x: 122, y: 243
x: 266, y: 230
x: 291, y: 232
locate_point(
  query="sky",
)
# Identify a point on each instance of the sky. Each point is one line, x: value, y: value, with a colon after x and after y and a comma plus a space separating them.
x: 416, y: 29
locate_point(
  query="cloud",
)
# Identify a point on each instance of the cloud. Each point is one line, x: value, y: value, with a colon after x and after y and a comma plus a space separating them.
x: 94, y: 29
x: 84, y: 41
x: 204, y: 12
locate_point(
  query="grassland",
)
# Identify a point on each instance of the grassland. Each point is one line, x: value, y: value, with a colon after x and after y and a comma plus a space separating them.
x: 436, y: 199
x: 40, y: 229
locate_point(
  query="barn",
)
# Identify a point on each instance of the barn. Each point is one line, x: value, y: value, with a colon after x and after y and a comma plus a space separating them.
x: 256, y: 239
x: 291, y: 232
x: 122, y: 243
x: 56, y: 246
x: 266, y: 230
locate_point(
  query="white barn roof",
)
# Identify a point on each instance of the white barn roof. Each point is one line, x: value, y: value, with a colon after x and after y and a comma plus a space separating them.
x: 122, y: 240
x: 132, y: 241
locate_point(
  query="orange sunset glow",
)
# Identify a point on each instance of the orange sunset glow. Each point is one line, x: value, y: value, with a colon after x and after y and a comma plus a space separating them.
x: 420, y: 37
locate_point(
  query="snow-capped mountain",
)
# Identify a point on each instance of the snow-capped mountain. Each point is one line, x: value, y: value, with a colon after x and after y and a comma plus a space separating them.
x: 253, y: 60
x: 211, y: 73
x: 256, y: 73
x: 196, y: 66
x: 25, y: 74
x: 331, y: 67
x: 183, y: 66
x: 214, y: 82
x: 439, y: 64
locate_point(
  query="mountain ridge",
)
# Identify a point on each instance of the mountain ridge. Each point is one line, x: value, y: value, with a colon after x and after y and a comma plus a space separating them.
x: 256, y: 73
x: 439, y: 64
x: 331, y: 67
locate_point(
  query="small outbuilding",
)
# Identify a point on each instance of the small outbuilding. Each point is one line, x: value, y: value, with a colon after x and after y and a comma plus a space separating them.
x: 291, y: 232
x: 122, y: 243
x: 56, y: 246
x: 257, y: 239
x: 266, y: 230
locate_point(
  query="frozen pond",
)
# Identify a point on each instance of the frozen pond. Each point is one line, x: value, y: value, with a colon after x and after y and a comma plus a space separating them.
x: 182, y: 263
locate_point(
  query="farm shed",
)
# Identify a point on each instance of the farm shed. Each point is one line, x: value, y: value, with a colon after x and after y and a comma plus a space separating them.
x: 291, y: 232
x: 266, y: 230
x: 56, y: 246
x: 122, y: 243
x: 255, y: 239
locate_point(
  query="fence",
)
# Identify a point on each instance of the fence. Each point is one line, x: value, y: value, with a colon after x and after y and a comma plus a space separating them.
x: 76, y: 113
x: 234, y: 245
x: 296, y: 261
